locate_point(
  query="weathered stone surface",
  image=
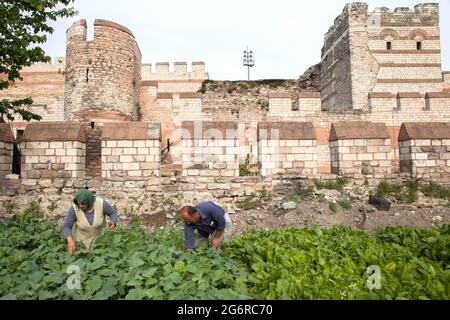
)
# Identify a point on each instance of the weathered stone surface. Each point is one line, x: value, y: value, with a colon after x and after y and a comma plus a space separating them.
x: 289, y: 205
x: 380, y: 203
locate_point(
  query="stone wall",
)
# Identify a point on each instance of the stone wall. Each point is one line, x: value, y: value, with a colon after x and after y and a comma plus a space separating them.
x: 6, y: 149
x: 130, y: 151
x: 360, y: 148
x: 425, y: 149
x: 446, y: 76
x: 287, y: 148
x: 52, y: 151
x: 102, y: 74
x: 335, y: 76
x: 210, y: 149
x: 285, y: 105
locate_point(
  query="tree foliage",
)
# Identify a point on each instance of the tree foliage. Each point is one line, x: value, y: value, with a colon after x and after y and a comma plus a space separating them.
x: 24, y: 26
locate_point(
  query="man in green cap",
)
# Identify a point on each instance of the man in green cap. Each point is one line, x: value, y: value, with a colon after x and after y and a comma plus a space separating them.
x: 86, y: 218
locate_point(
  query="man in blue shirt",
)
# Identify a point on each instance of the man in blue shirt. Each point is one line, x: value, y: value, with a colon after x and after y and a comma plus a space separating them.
x: 208, y: 219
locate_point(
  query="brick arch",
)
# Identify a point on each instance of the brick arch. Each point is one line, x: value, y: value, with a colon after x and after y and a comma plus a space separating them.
x: 418, y: 33
x: 389, y: 32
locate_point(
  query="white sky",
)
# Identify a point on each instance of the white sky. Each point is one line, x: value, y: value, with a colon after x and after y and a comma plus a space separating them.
x: 286, y: 36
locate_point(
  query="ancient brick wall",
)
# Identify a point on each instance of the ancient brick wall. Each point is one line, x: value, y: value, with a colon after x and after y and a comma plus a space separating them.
x: 413, y: 61
x: 335, y: 76
x: 287, y: 148
x: 446, y: 76
x: 53, y: 151
x: 382, y: 51
x: 425, y: 149
x: 210, y: 149
x: 6, y: 149
x: 44, y: 83
x: 130, y: 151
x: 360, y: 148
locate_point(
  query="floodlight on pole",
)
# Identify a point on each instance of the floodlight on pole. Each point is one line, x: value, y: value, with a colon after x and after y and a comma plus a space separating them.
x: 249, y: 61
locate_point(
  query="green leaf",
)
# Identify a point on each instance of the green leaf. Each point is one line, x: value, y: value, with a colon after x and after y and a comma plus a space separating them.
x: 136, y: 294
x: 93, y: 284
x: 46, y: 295
x: 107, y: 291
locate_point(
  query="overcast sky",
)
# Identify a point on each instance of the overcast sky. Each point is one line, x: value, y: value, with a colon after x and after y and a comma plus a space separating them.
x: 286, y: 36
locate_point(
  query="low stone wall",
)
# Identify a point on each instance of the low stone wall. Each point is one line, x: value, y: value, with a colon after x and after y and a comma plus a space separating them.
x: 360, y: 148
x: 287, y: 148
x: 53, y: 151
x: 425, y: 149
x: 131, y: 151
x: 6, y: 149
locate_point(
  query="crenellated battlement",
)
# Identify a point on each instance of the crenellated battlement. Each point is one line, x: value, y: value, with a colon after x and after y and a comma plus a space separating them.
x: 179, y: 71
x: 57, y: 64
x: 423, y: 15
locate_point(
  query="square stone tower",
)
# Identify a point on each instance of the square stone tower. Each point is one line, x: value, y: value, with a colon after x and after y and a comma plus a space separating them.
x: 383, y: 51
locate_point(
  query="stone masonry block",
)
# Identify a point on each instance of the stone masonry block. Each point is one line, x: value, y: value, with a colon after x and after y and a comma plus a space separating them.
x: 56, y: 145
x: 125, y: 144
x: 126, y: 159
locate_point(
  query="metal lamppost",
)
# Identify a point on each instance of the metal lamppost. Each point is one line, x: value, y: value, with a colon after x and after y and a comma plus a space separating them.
x: 249, y: 61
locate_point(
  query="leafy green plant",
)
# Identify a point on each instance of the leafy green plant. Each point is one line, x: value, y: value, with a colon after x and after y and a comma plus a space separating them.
x: 245, y: 168
x: 53, y: 204
x: 10, y: 206
x: 333, y: 207
x: 264, y: 194
x: 34, y: 209
x: 296, y: 198
x: 276, y: 264
x: 304, y: 264
x: 246, y: 204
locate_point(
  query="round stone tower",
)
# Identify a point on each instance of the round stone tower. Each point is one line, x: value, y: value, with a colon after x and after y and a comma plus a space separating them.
x: 103, y: 75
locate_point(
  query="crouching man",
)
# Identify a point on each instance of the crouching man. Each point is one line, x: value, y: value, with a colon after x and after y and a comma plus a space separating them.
x: 208, y: 219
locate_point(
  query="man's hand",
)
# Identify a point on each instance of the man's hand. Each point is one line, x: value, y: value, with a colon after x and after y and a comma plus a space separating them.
x: 215, y: 243
x: 71, y: 246
x: 112, y: 227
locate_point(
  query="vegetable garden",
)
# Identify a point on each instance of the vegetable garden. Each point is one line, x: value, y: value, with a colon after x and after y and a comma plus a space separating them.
x: 276, y: 264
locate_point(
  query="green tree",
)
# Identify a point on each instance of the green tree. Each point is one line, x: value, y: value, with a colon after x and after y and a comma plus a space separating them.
x: 24, y: 25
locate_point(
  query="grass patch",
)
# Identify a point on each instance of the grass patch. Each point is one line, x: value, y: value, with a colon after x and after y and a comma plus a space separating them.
x: 246, y: 204
x: 435, y: 190
x: 406, y: 192
x: 296, y: 198
x: 334, y: 184
x: 333, y: 207
x: 345, y: 204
